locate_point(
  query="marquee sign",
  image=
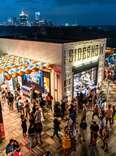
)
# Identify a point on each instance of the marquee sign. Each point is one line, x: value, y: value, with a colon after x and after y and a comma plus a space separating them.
x: 86, y: 52
x: 82, y: 53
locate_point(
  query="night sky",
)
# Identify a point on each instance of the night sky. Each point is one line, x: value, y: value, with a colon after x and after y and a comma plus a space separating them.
x: 82, y: 12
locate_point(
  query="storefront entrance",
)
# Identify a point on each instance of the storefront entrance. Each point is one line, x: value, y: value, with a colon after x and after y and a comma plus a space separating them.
x: 25, y: 72
x: 84, y: 78
x: 39, y: 80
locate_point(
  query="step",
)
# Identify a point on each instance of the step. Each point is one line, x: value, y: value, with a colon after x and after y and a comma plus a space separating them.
x: 38, y: 151
x: 111, y: 96
x: 112, y: 92
x: 112, y: 88
x: 111, y: 101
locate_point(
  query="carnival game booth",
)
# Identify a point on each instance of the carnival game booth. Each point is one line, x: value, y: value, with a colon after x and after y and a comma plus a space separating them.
x: 26, y: 72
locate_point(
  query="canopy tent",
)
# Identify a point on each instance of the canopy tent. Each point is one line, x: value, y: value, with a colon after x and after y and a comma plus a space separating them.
x: 13, y: 66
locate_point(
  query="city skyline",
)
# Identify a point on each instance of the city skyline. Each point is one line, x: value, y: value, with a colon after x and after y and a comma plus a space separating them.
x: 82, y: 12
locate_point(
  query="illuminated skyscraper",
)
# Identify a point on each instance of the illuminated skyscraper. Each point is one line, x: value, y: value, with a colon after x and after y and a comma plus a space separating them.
x: 37, y: 16
x: 23, y: 19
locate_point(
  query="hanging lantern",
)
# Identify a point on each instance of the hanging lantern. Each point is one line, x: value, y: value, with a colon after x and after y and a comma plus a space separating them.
x: 44, y: 68
x: 7, y: 68
x: 28, y: 71
x: 21, y: 73
x: 26, y: 65
x: 7, y: 77
x: 17, y: 70
x: 41, y: 67
x: 57, y: 69
x: 12, y: 71
x: 14, y: 75
x: 50, y: 66
x: 35, y: 69
x: 16, y: 66
x: 1, y: 70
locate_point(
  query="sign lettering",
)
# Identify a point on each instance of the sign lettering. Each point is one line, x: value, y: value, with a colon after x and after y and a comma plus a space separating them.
x: 85, y: 52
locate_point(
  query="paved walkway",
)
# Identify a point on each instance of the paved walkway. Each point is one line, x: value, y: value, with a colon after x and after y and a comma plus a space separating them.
x: 12, y: 125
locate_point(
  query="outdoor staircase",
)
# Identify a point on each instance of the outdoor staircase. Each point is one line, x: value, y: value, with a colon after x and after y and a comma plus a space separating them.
x: 112, y: 93
x: 105, y: 87
x: 109, y: 89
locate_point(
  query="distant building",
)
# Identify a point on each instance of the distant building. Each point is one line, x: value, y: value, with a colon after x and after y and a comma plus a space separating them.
x: 42, y: 22
x: 66, y: 24
x: 23, y: 19
x: 10, y: 21
x: 37, y: 16
x: 36, y: 19
x: 15, y: 21
x: 74, y: 58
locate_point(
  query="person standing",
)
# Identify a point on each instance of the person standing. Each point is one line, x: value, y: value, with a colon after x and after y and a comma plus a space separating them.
x: 9, y: 147
x: 31, y: 118
x: 102, y: 113
x: 34, y: 95
x: 109, y: 113
x: 31, y: 95
x: 83, y: 128
x: 37, y: 115
x: 27, y: 108
x: 17, y: 103
x: 23, y: 125
x: 38, y: 125
x: 113, y: 113
x: 94, y: 128
x: 101, y: 125
x: 18, y: 88
x: 10, y: 100
x: 21, y: 105
x: 38, y: 132
x: 41, y: 103
x: 31, y: 134
x: 105, y: 138
x: 72, y: 114
x: 66, y: 142
x: 49, y: 99
x: 84, y: 112
x: 63, y: 109
x: 95, y: 111
x: 56, y: 127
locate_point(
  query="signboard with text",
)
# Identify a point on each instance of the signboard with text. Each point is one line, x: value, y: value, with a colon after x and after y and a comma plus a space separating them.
x: 78, y: 54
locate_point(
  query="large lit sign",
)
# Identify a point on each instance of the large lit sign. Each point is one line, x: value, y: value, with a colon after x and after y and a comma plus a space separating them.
x: 85, y: 53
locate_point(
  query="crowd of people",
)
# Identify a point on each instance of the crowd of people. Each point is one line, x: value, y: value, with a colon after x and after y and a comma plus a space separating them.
x: 101, y: 123
x: 110, y: 70
x: 32, y: 112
